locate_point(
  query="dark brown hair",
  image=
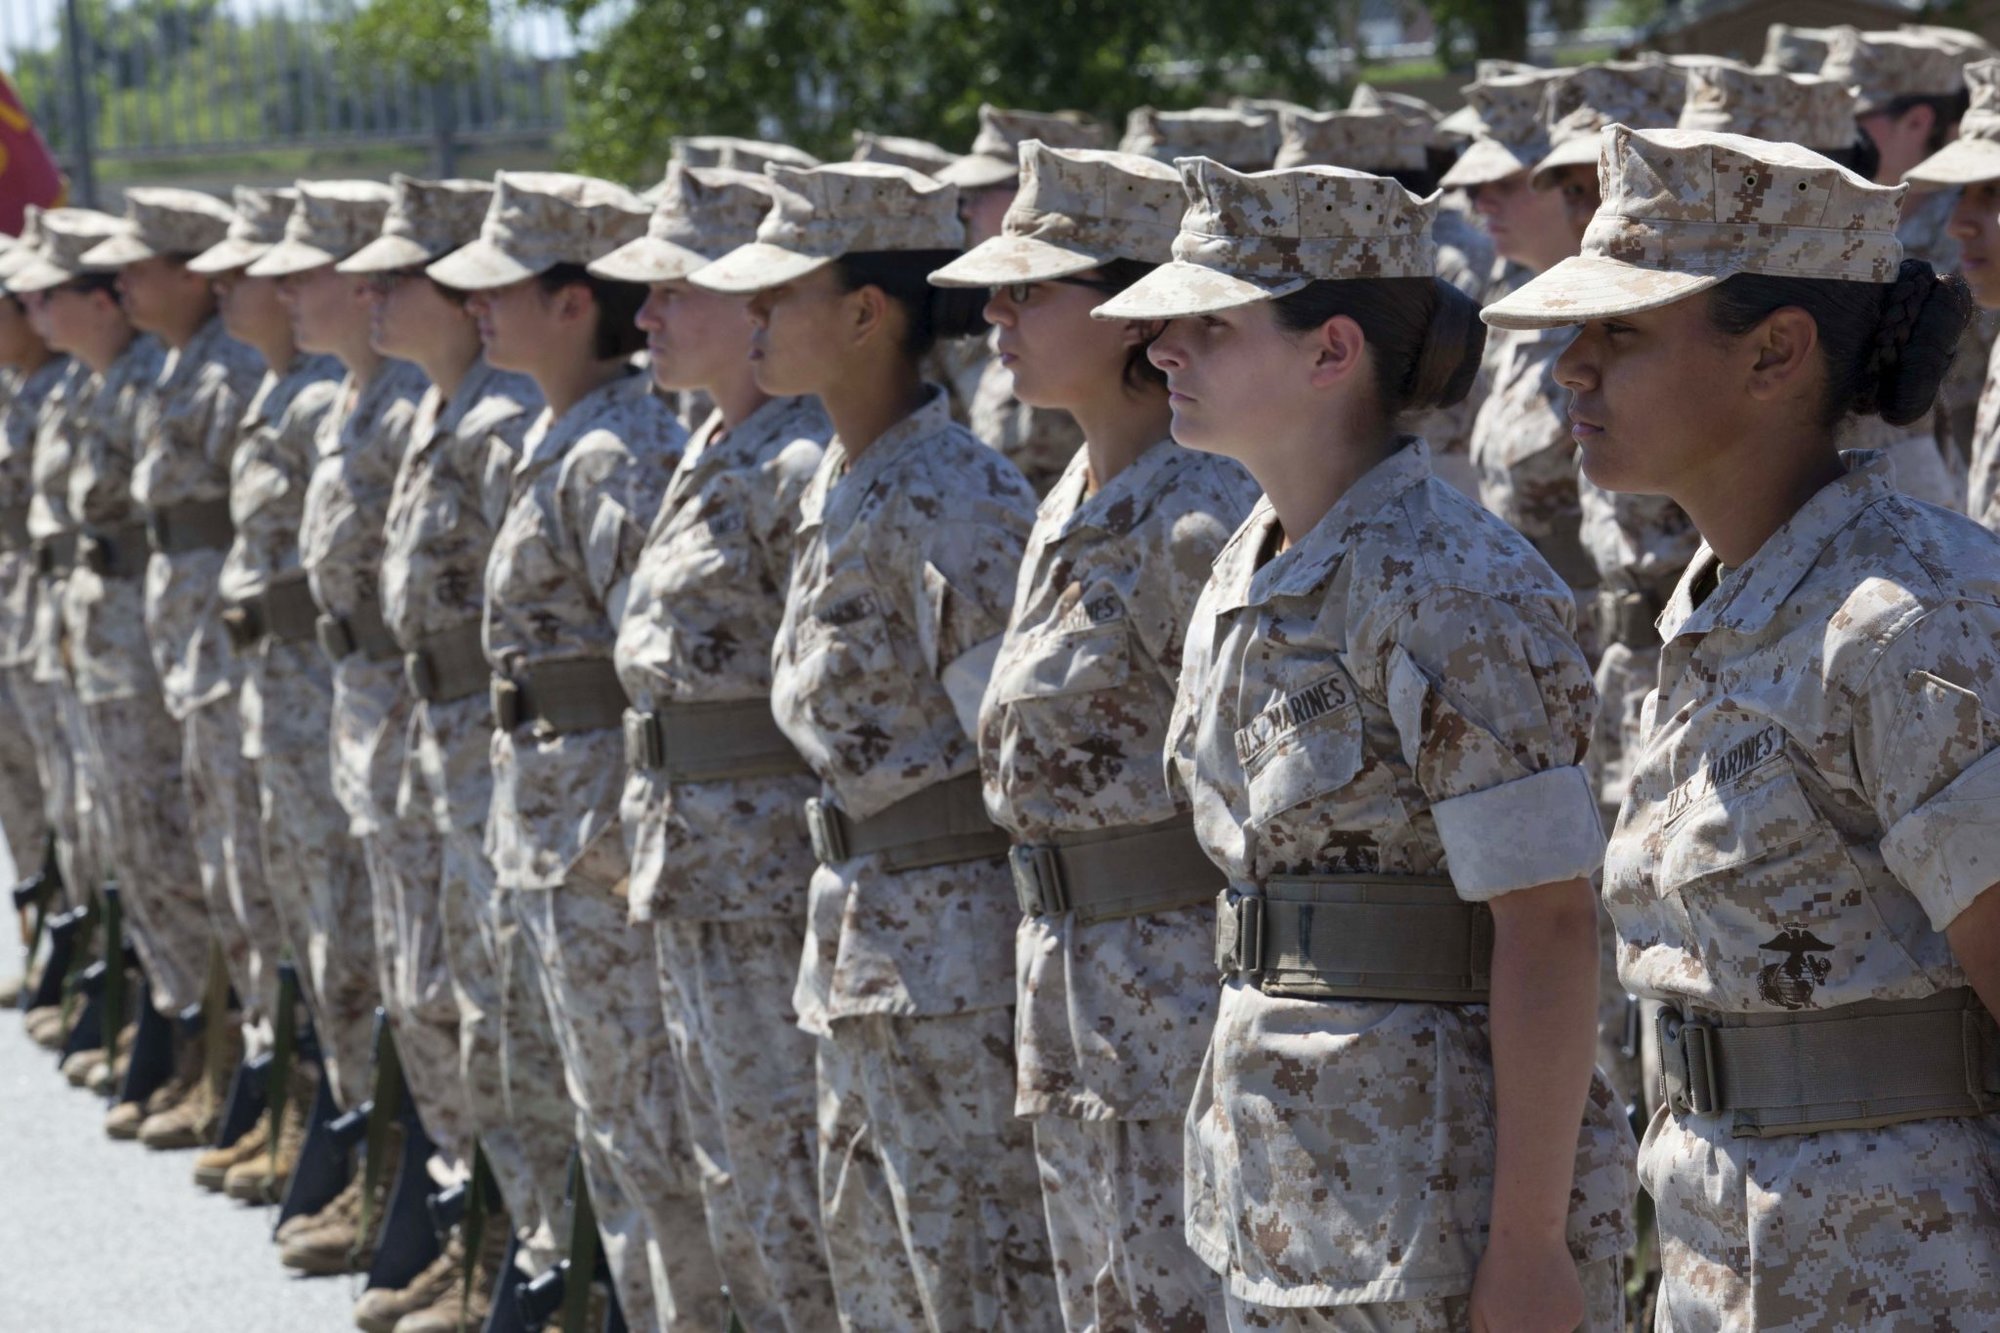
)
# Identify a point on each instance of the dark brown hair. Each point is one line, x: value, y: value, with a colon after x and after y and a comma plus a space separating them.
x: 617, y: 304
x: 1424, y: 333
x: 1140, y: 373
x: 1888, y: 345
x: 903, y: 276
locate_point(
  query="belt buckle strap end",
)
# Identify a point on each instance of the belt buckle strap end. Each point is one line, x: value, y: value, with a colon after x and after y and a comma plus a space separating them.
x: 1038, y: 880
x: 336, y: 640
x: 829, y: 840
x: 505, y: 697
x: 1239, y: 933
x: 1687, y: 1058
x: 645, y: 746
x: 417, y: 672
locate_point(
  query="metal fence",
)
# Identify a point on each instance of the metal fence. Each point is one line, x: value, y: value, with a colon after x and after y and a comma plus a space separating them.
x: 142, y: 82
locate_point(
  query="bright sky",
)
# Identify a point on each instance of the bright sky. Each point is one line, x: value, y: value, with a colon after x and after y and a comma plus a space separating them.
x: 34, y: 24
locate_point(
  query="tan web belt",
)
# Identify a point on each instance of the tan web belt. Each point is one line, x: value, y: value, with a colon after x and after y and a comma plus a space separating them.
x: 940, y: 825
x: 55, y: 556
x: 118, y: 552
x: 710, y: 742
x: 363, y: 632
x: 1858, y: 1066
x: 1113, y: 873
x: 1360, y: 937
x: 284, y: 611
x: 560, y: 695
x: 448, y: 665
x: 198, y: 525
x: 14, y: 528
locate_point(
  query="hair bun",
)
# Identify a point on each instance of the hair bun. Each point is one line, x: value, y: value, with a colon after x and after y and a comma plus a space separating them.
x: 1916, y: 338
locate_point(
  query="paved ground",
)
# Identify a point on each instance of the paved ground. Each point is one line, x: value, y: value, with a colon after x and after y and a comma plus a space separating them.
x: 104, y: 1237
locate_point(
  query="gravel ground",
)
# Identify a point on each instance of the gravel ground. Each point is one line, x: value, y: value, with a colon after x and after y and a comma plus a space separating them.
x: 106, y: 1237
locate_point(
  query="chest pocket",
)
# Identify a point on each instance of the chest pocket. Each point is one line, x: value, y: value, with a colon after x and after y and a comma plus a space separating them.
x: 1305, y: 761
x: 1761, y: 819
x: 1077, y: 662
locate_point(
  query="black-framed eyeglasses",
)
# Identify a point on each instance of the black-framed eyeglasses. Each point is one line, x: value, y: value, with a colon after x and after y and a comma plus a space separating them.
x: 1020, y: 292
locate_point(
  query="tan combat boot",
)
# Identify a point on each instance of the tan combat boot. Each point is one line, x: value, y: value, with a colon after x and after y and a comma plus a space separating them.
x: 259, y: 1179
x: 107, y: 1078
x: 123, y: 1120
x: 45, y: 1026
x: 78, y: 1066
x: 211, y: 1165
x: 381, y: 1308
x: 189, y: 1124
x: 328, y: 1241
x: 476, y: 1304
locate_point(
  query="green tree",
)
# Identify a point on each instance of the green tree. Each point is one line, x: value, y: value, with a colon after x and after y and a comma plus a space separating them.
x: 813, y: 71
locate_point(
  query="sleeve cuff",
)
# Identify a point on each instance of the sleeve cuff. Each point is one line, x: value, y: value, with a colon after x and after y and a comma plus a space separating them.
x: 1541, y: 829
x: 1946, y: 852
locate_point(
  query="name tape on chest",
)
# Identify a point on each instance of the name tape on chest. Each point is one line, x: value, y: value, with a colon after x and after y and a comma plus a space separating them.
x: 1325, y: 695
x: 1726, y: 769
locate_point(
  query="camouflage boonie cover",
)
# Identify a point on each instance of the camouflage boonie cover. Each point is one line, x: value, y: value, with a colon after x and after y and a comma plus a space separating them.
x: 537, y: 220
x: 751, y: 155
x: 585, y: 491
x: 994, y: 157
x: 916, y: 154
x: 1076, y: 209
x: 1365, y: 140
x: 31, y: 400
x: 104, y: 618
x: 705, y: 604
x: 1723, y: 98
x: 163, y: 220
x: 329, y: 221
x: 1974, y: 153
x: 1510, y: 133
x: 1684, y: 209
x: 826, y: 212
x: 700, y: 215
x: 188, y: 430
x: 1882, y: 66
x: 905, y: 564
x: 66, y: 235
x: 257, y: 224
x: 1112, y: 1017
x: 1258, y: 236
x: 1808, y: 816
x: 1245, y: 141
x: 1580, y: 102
x: 1794, y: 50
x: 426, y: 220
x: 1397, y: 693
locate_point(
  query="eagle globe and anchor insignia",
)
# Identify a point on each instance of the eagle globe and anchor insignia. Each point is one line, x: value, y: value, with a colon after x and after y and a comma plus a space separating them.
x: 1790, y: 984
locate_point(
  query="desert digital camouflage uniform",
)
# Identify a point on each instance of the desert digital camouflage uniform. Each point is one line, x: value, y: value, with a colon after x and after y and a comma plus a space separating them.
x: 905, y: 559
x: 34, y: 782
x: 1785, y: 848
x: 1983, y: 491
x: 720, y: 867
x: 1112, y: 1016
x: 1799, y: 828
x: 1397, y: 693
x: 557, y: 579
x: 449, y: 497
x: 1452, y: 688
x: 311, y: 864
x: 905, y: 556
x: 57, y: 734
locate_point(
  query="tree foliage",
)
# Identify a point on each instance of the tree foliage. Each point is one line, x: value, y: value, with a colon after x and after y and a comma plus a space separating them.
x: 812, y: 71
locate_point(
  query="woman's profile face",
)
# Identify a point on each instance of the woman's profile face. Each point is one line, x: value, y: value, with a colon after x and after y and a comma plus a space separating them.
x: 1656, y: 397
x: 1235, y: 379
x: 799, y: 333
x: 1058, y: 354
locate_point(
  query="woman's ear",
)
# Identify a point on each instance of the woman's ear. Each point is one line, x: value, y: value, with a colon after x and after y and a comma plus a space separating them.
x: 865, y: 313
x: 1782, y: 347
x: 1336, y: 348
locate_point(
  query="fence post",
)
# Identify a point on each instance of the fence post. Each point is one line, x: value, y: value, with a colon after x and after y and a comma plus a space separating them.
x: 83, y: 174
x: 444, y: 130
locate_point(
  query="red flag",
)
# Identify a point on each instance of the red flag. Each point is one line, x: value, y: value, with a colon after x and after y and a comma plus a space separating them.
x: 28, y: 173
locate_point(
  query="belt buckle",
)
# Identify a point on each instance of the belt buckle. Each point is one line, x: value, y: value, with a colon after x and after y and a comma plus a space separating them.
x: 645, y: 746
x: 1038, y: 881
x: 418, y: 673
x: 336, y: 640
x: 45, y: 558
x: 1687, y: 1064
x: 1239, y: 933
x: 505, y: 697
x: 823, y: 823
x: 94, y: 554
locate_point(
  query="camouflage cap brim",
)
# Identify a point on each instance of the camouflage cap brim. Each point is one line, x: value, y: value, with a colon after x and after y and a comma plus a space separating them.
x: 1571, y: 153
x: 14, y: 260
x: 1484, y: 162
x: 757, y: 267
x: 386, y: 254
x: 289, y: 257
x: 1005, y: 259
x: 1181, y: 289
x: 1960, y: 162
x: 478, y: 267
x: 648, y: 259
x: 37, y: 275
x: 228, y: 254
x: 1586, y: 287
x: 118, y: 251
x: 1460, y: 124
x: 976, y: 171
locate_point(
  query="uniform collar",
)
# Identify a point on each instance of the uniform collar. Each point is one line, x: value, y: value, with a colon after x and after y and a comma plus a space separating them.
x: 551, y: 436
x: 1305, y: 566
x: 1753, y: 592
x: 931, y: 419
x: 1122, y: 502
